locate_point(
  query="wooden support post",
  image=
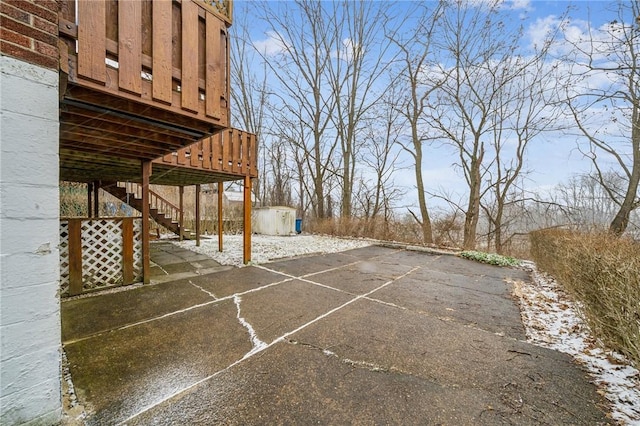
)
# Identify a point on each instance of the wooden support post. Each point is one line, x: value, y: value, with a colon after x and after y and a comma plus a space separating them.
x: 198, y: 215
x: 96, y: 199
x: 181, y: 213
x: 89, y: 199
x: 127, y: 250
x: 246, y: 252
x: 220, y: 217
x: 146, y: 247
x: 75, y: 256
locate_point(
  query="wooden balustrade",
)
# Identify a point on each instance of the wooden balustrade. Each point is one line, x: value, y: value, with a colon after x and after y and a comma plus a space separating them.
x: 171, y: 55
x: 232, y: 152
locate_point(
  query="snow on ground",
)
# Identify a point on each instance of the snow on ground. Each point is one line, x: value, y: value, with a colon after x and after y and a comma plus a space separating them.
x: 551, y: 320
x: 550, y: 317
x: 266, y: 248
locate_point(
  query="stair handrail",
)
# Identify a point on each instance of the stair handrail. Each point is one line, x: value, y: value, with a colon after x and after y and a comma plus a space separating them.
x: 156, y: 201
x: 162, y: 204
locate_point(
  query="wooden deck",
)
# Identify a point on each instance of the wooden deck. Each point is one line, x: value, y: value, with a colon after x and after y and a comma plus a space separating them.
x: 141, y: 79
x: 144, y: 97
x: 228, y: 155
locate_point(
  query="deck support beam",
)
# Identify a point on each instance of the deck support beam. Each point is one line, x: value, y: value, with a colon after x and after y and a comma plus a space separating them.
x: 197, y: 215
x: 246, y: 252
x: 89, y: 199
x: 181, y: 213
x: 220, y: 217
x: 96, y: 199
x: 146, y: 247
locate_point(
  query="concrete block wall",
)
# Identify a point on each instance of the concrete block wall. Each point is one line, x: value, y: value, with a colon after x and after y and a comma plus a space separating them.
x: 29, y: 214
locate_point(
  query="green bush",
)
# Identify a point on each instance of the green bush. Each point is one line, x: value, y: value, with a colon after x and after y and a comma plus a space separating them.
x: 490, y: 258
x: 602, y: 272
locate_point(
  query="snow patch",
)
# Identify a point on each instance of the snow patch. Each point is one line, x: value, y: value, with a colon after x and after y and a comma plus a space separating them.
x: 256, y: 343
x: 266, y: 248
x: 551, y: 320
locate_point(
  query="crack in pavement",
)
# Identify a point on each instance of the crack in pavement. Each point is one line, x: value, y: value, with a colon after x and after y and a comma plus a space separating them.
x: 303, y: 279
x: 376, y: 368
x: 206, y: 291
x: 161, y: 268
x: 259, y: 349
x: 179, y: 311
x: 256, y: 343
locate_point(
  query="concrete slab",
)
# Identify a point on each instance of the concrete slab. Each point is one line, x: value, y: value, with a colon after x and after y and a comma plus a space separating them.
x: 279, y: 309
x: 376, y: 335
x: 120, y: 373
x: 355, y: 369
x: 312, y: 264
x: 236, y: 280
x: 478, y: 301
x: 85, y: 317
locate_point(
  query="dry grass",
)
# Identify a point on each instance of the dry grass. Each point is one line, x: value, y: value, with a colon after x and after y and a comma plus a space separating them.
x: 379, y: 229
x: 360, y: 228
x: 603, y: 274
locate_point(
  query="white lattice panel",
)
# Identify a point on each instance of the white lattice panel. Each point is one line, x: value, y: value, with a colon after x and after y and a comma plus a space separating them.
x: 137, y: 249
x: 102, y: 259
x: 101, y: 253
x: 64, y: 256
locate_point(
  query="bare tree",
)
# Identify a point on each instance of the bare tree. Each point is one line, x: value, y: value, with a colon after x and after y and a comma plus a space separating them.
x: 415, y: 85
x: 380, y: 158
x: 492, y: 96
x: 526, y: 106
x: 608, y: 115
x: 359, y: 61
x: 249, y: 94
x: 303, y: 94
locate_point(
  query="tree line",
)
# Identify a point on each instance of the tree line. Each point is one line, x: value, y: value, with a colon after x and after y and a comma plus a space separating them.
x: 348, y: 97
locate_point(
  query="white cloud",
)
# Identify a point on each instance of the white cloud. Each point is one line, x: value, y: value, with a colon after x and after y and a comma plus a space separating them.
x: 273, y: 45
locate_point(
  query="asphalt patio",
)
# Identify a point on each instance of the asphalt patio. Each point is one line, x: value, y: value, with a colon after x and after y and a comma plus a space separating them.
x: 375, y: 335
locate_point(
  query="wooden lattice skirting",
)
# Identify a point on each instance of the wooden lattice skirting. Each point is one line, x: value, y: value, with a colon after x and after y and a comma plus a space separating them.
x: 99, y: 253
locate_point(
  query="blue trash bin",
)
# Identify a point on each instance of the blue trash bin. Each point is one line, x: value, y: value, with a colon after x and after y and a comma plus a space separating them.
x: 298, y: 226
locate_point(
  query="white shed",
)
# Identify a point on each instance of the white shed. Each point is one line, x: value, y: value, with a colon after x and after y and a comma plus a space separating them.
x: 276, y: 220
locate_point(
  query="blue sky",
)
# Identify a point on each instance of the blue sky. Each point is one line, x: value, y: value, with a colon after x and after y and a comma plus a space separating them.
x: 553, y: 158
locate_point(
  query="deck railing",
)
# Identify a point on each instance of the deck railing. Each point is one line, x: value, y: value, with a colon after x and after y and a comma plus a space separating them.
x: 232, y: 152
x: 168, y: 54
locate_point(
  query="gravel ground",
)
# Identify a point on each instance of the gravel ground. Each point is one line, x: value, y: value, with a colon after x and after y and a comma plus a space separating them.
x: 266, y: 248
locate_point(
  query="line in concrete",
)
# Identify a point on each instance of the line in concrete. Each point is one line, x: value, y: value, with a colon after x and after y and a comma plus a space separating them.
x: 204, y: 290
x: 170, y: 314
x: 277, y: 340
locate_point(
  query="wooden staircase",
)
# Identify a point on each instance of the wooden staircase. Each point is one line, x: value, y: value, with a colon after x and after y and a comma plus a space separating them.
x: 161, y: 210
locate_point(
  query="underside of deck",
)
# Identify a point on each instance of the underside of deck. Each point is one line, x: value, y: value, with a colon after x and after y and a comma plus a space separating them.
x: 142, y: 80
x: 144, y: 98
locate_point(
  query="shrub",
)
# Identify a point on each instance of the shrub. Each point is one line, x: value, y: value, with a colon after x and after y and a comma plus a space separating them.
x: 490, y: 258
x: 602, y: 272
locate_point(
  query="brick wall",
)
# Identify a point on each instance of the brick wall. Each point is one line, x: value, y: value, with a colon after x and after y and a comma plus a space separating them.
x: 30, y: 31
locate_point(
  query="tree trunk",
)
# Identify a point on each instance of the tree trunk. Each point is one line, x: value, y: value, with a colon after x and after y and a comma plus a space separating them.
x: 473, y: 209
x: 427, y: 233
x: 621, y: 220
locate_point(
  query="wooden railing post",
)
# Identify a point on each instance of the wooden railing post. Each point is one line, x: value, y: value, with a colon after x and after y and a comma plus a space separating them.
x: 96, y: 199
x: 246, y: 257
x: 181, y: 218
x: 146, y: 247
x: 127, y: 250
x: 75, y: 256
x: 89, y: 199
x: 220, y: 221
x: 198, y: 215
